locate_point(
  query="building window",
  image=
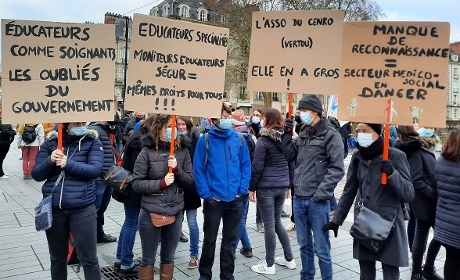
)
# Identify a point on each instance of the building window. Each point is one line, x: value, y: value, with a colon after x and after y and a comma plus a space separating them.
x: 154, y: 12
x: 184, y: 11
x: 455, y: 113
x: 275, y: 96
x: 242, y: 92
x: 455, y: 71
x: 259, y: 95
x: 455, y: 99
x: 165, y: 10
x: 223, y: 19
x: 202, y: 14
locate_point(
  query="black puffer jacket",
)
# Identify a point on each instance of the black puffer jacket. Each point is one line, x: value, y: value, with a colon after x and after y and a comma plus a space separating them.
x: 191, y: 198
x: 104, y: 136
x: 7, y: 133
x: 421, y: 162
x: 131, y: 150
x: 270, y: 168
x: 151, y: 167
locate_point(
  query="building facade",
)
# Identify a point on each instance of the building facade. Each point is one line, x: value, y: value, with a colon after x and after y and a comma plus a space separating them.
x: 453, y: 97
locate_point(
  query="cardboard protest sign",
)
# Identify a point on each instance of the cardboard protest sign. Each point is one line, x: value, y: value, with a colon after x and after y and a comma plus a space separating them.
x: 295, y: 51
x: 405, y: 62
x: 57, y: 72
x: 176, y: 67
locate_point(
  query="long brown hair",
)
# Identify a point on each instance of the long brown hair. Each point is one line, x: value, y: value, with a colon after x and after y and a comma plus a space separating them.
x: 451, y: 148
x: 160, y: 121
x: 407, y: 132
x: 273, y: 119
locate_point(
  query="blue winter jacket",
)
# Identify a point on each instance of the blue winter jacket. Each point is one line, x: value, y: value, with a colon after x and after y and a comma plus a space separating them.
x: 77, y: 188
x: 447, y: 223
x: 228, y: 169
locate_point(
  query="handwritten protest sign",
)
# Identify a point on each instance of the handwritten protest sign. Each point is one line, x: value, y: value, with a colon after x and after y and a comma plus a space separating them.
x: 57, y: 72
x: 406, y: 62
x: 295, y: 51
x: 176, y: 67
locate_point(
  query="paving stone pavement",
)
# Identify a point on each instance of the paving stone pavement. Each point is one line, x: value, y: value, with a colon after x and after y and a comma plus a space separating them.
x: 24, y: 251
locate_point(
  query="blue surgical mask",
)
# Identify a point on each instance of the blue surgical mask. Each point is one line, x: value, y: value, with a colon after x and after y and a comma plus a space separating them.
x: 78, y: 130
x: 306, y: 118
x: 184, y: 133
x: 225, y: 124
x: 168, y: 134
x: 255, y: 120
x: 365, y: 139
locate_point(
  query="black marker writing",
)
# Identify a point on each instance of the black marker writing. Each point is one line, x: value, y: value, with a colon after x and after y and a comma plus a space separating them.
x: 71, y: 32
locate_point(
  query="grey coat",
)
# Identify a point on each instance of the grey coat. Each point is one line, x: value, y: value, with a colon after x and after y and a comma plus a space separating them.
x: 151, y: 167
x: 383, y: 199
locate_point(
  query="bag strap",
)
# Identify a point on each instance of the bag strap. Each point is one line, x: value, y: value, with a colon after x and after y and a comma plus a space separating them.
x: 115, y: 152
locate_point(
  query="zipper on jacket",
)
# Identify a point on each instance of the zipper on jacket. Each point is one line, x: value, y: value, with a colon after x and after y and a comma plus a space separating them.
x: 63, y: 180
x: 226, y: 168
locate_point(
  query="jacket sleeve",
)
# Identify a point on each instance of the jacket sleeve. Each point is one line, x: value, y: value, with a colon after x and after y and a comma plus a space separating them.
x: 184, y: 175
x: 141, y: 181
x: 349, y: 192
x: 400, y: 181
x: 90, y: 169
x: 258, y: 164
x: 199, y: 169
x: 289, y: 147
x: 44, y: 167
x: 245, y: 168
x: 40, y: 134
x: 8, y: 130
x: 335, y: 168
x: 417, y: 173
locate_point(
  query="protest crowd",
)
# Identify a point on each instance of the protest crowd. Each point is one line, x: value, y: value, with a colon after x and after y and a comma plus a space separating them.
x: 225, y: 163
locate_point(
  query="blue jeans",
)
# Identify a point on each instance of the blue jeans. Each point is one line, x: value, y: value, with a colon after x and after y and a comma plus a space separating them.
x: 151, y: 235
x: 310, y: 218
x: 127, y: 236
x: 82, y: 223
x: 194, y: 232
x: 333, y: 202
x: 243, y: 234
x: 230, y: 214
x: 271, y: 203
x: 103, y: 196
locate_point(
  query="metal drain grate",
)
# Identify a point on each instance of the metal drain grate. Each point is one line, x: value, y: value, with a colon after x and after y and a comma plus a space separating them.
x: 109, y: 274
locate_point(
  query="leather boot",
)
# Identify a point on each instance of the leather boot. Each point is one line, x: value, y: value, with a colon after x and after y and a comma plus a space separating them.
x: 146, y: 273
x: 166, y: 271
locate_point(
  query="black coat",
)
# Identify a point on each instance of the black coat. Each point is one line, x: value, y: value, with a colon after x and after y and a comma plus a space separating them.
x: 191, y: 198
x: 104, y: 135
x: 421, y: 162
x: 131, y: 150
x: 7, y: 133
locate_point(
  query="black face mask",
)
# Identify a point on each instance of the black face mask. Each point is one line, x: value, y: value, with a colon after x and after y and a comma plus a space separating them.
x: 297, y: 119
x: 138, y: 119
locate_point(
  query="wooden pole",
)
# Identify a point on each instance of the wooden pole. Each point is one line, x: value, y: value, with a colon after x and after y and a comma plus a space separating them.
x: 386, y: 139
x: 173, y: 136
x: 60, y: 136
x: 289, y: 106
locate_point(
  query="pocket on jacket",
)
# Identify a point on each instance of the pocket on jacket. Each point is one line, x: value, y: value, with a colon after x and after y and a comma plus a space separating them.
x: 321, y: 169
x: 232, y: 152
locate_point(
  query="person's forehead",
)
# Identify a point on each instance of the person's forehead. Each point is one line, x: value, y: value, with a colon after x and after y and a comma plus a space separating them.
x: 225, y: 113
x: 363, y: 127
x: 179, y: 121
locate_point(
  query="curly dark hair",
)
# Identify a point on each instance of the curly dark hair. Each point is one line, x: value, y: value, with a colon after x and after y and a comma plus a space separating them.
x: 160, y: 121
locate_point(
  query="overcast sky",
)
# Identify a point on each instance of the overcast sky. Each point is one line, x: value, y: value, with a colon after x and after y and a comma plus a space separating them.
x: 94, y: 10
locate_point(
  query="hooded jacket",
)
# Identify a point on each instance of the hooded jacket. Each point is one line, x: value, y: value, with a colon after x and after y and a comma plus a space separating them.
x: 228, y: 169
x: 318, y: 159
x: 40, y: 136
x: 270, y: 168
x: 77, y: 188
x: 151, y: 167
x: 421, y: 162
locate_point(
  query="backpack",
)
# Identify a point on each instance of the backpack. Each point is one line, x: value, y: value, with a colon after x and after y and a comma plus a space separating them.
x: 29, y: 134
x: 342, y: 132
x: 249, y: 142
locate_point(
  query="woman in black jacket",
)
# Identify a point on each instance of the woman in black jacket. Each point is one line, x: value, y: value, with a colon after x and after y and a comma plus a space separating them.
x: 124, y: 262
x: 421, y: 162
x: 271, y: 178
x: 7, y: 134
x: 189, y: 137
x: 162, y: 194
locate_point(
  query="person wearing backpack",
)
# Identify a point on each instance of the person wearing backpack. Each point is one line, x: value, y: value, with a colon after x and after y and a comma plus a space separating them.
x: 29, y: 141
x: 222, y: 169
x: 7, y: 134
x: 240, y: 126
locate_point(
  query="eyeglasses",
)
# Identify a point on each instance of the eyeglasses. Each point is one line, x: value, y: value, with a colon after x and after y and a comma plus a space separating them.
x: 226, y: 117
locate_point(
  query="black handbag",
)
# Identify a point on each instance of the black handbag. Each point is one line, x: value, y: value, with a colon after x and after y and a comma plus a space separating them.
x: 370, y: 229
x: 119, y: 179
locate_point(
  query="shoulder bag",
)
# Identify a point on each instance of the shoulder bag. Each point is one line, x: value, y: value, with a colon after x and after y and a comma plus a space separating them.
x: 44, y: 210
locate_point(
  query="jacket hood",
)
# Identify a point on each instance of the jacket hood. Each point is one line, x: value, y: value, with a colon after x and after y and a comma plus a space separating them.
x: 221, y: 133
x: 409, y: 147
x: 273, y: 134
x: 91, y: 132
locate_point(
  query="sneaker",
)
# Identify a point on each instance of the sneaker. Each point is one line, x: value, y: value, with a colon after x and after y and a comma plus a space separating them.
x: 430, y: 274
x: 290, y: 227
x: 284, y: 214
x: 282, y: 261
x: 183, y: 238
x: 193, y: 263
x: 130, y: 272
x: 116, y: 266
x: 27, y: 177
x: 106, y: 238
x: 5, y: 176
x: 260, y: 227
x: 246, y: 252
x: 262, y: 268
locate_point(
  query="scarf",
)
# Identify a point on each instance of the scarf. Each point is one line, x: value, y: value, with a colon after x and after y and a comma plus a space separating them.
x: 70, y: 139
x: 373, y: 150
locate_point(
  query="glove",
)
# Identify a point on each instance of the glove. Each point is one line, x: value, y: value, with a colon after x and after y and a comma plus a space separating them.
x: 386, y: 167
x: 288, y: 125
x: 331, y: 226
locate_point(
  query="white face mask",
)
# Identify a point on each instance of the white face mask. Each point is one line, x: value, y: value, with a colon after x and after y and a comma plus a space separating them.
x: 365, y: 139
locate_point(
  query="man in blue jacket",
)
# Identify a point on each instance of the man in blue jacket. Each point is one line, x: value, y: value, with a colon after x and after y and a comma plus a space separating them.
x: 222, y: 169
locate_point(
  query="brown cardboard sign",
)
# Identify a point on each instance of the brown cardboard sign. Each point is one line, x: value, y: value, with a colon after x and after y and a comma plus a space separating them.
x: 176, y: 67
x: 295, y: 51
x: 57, y: 72
x: 405, y: 62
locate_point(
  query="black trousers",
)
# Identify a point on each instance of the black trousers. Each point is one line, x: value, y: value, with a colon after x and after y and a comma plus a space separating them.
x: 368, y: 271
x: 4, y: 148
